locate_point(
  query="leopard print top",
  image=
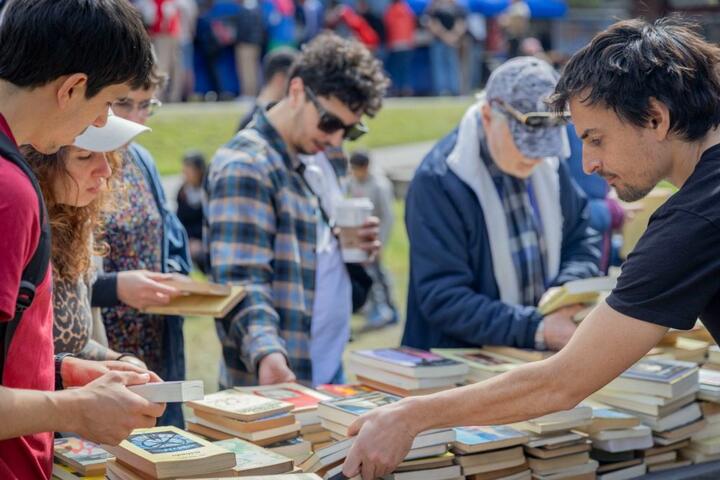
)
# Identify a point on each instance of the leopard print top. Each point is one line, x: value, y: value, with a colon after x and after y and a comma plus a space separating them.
x: 72, y: 327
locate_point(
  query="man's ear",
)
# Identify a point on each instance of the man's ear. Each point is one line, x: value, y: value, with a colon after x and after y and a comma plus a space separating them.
x: 658, y: 118
x: 71, y: 89
x: 296, y: 91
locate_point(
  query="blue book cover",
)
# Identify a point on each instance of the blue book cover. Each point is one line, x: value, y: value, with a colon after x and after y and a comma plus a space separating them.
x: 664, y: 371
x: 480, y: 435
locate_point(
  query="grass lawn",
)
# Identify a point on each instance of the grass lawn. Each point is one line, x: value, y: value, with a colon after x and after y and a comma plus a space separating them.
x: 202, y: 349
x: 177, y: 129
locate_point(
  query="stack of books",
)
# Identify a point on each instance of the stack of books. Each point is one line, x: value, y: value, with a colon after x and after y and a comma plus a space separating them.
x: 683, y: 349
x: 616, y: 438
x: 482, y: 364
x: 713, y: 358
x: 439, y: 467
x: 661, y: 393
x: 251, y: 459
x: 167, y: 452
x: 490, y: 453
x: 305, y: 401
x: 81, y: 457
x: 229, y: 413
x: 343, y: 390
x: 705, y: 444
x: 555, y: 451
x: 295, y: 448
x: 406, y: 371
x: 709, y: 385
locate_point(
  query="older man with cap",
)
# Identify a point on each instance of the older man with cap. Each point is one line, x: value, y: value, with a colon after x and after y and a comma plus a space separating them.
x: 494, y: 220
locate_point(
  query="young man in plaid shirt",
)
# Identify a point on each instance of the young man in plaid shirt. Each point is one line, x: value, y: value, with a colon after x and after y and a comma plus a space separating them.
x: 264, y: 218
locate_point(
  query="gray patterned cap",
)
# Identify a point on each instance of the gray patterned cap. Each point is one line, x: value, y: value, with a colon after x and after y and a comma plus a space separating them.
x: 525, y: 83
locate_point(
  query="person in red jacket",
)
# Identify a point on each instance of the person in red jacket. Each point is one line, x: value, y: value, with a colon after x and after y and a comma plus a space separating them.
x: 57, y: 78
x: 400, y: 25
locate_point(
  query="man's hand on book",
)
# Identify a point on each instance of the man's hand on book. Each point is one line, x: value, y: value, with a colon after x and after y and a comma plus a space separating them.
x: 105, y: 411
x: 141, y: 288
x: 274, y: 369
x: 77, y: 372
x: 384, y: 437
x: 559, y: 327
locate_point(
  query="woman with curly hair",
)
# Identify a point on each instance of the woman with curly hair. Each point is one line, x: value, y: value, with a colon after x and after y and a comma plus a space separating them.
x: 74, y: 182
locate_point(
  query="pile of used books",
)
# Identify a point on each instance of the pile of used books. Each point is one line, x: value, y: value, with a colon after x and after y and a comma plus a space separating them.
x: 617, y: 438
x: 555, y: 451
x: 233, y: 414
x: 305, y: 401
x: 705, y: 444
x: 428, y: 457
x: 406, y: 371
x: 490, y: 453
x: 79, y: 458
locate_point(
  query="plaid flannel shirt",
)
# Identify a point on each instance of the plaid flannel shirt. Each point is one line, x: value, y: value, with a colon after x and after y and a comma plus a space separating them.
x: 261, y: 232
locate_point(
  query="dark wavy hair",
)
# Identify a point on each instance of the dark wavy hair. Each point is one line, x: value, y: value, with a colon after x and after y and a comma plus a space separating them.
x: 633, y: 61
x: 72, y: 227
x: 336, y: 67
x: 42, y: 40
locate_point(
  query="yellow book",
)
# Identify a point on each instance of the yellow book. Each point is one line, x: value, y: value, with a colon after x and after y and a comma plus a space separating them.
x: 201, y: 305
x: 584, y: 291
x: 168, y: 452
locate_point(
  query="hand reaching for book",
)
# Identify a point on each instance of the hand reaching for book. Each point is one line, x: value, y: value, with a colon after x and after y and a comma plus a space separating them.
x: 105, y: 411
x: 559, y: 327
x: 274, y: 369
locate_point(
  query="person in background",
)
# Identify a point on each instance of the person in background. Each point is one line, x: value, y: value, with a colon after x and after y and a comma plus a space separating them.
x: 373, y: 184
x: 189, y: 204
x: 494, y: 220
x: 345, y: 21
x: 248, y: 47
x: 446, y: 21
x: 515, y: 21
x: 143, y: 234
x: 265, y: 230
x: 75, y: 183
x: 275, y: 70
x: 165, y: 32
x: 400, y: 26
x: 65, y: 73
x: 188, y: 24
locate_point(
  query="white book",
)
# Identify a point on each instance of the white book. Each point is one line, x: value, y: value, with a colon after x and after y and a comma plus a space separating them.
x: 549, y: 440
x: 685, y: 415
x: 662, y: 378
x: 640, y: 431
x: 170, y: 392
x: 250, y: 436
x: 581, y: 412
x: 625, y: 473
x: 624, y: 444
x: 638, y: 403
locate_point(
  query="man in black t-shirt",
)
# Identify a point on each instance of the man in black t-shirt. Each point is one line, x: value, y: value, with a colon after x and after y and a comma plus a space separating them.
x: 645, y: 100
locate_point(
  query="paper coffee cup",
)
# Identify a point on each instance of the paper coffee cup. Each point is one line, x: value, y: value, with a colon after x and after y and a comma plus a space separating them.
x: 350, y: 215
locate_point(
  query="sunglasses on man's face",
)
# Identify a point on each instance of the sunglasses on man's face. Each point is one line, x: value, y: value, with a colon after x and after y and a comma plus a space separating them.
x: 331, y: 123
x: 533, y: 119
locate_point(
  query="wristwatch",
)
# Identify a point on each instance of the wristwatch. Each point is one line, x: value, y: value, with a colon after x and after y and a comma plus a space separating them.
x: 58, y: 369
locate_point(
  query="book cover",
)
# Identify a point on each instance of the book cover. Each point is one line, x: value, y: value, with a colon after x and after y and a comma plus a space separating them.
x: 664, y: 371
x: 301, y: 397
x: 362, y: 403
x: 201, y: 305
x: 344, y: 390
x: 241, y: 406
x: 250, y: 458
x: 485, y: 435
x: 83, y: 455
x: 406, y: 357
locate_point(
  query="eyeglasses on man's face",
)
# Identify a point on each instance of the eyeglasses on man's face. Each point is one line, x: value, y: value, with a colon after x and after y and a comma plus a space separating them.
x: 127, y: 106
x: 331, y: 123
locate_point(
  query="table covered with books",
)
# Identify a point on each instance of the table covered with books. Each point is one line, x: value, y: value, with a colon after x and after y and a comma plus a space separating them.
x: 658, y: 420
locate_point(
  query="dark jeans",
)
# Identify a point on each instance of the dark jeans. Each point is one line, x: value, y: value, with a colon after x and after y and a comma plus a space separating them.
x: 173, y: 367
x: 399, y: 65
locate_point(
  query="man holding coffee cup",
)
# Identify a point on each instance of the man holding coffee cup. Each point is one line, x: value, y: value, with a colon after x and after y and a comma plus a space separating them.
x: 265, y: 225
x: 494, y: 220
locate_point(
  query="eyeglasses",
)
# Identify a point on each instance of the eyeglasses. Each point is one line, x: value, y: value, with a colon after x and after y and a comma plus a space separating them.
x: 126, y: 107
x: 533, y: 119
x: 330, y: 123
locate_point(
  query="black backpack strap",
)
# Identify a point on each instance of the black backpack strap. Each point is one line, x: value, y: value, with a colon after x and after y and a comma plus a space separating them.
x: 36, y: 269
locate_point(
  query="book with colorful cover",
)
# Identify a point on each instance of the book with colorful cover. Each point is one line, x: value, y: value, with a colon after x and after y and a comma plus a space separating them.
x: 83, y: 456
x: 343, y: 390
x: 660, y: 370
x: 241, y: 406
x: 410, y: 362
x: 168, y: 452
x: 303, y: 398
x: 345, y: 410
x: 254, y: 460
x: 479, y: 439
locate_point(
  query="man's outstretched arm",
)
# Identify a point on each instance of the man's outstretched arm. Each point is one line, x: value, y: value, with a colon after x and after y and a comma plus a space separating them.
x: 605, y: 345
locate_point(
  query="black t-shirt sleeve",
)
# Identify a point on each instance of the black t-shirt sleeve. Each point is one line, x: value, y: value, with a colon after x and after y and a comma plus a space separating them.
x: 674, y: 272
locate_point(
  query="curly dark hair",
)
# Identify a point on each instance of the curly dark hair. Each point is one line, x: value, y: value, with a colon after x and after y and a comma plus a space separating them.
x: 633, y: 61
x: 336, y: 67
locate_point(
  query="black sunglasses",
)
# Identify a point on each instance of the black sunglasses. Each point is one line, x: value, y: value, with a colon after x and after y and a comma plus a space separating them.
x: 330, y: 123
x: 533, y: 119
